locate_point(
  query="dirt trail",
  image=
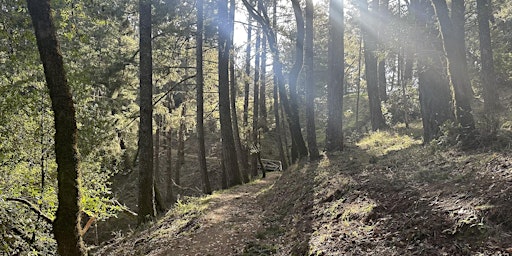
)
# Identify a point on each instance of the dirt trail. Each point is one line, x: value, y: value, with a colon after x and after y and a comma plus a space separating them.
x: 230, y: 222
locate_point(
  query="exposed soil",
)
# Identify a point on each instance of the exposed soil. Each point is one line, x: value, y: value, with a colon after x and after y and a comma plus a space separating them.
x: 227, y: 225
x: 415, y: 201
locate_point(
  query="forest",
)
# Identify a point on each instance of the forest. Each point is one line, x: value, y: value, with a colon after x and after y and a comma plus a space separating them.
x: 255, y: 127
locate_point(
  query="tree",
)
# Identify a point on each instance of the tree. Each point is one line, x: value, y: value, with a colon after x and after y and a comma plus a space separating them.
x: 310, y: 82
x: 66, y: 226
x: 299, y: 149
x: 228, y: 142
x: 201, y: 155
x: 255, y: 109
x: 370, y: 60
x: 146, y: 179
x: 452, y: 31
x: 491, y: 99
x: 293, y: 120
x: 434, y: 88
x: 382, y: 33
x: 334, y: 134
x: 242, y: 156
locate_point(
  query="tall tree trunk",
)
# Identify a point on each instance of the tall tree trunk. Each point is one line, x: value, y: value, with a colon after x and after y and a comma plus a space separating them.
x: 334, y: 131
x: 160, y: 203
x: 180, y: 158
x: 255, y: 109
x: 491, y: 98
x: 228, y: 142
x: 370, y: 48
x: 452, y: 31
x: 263, y: 85
x: 66, y: 227
x: 434, y: 87
x: 299, y: 149
x: 358, y: 98
x: 385, y: 15
x: 201, y: 154
x: 240, y: 151
x: 310, y: 82
x: 247, y: 75
x: 279, y: 130
x: 146, y: 179
x: 168, y: 173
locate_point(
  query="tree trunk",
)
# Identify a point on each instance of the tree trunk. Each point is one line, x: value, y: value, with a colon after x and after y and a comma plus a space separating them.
x: 255, y: 109
x: 180, y: 158
x: 491, y: 98
x: 168, y: 173
x: 434, y: 89
x: 66, y: 227
x: 146, y: 179
x: 299, y: 149
x: 370, y: 48
x: 263, y: 85
x: 242, y: 159
x: 279, y: 131
x: 310, y: 83
x: 160, y: 203
x: 385, y: 15
x: 247, y: 74
x: 228, y: 142
x: 452, y: 31
x: 201, y: 155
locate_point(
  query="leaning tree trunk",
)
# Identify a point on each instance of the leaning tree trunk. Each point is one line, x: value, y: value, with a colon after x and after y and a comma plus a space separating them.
x: 452, y: 31
x: 310, y: 82
x: 228, y: 142
x: 66, y: 227
x: 146, y: 192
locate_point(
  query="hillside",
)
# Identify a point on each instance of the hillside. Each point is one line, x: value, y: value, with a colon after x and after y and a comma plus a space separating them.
x: 385, y: 195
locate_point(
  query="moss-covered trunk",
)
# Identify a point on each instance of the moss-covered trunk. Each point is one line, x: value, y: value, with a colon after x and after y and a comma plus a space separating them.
x: 66, y: 226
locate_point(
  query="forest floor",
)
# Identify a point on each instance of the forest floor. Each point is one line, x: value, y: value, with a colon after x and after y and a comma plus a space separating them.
x: 384, y: 195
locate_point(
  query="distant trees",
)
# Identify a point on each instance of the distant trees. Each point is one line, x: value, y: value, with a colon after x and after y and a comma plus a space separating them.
x: 66, y: 226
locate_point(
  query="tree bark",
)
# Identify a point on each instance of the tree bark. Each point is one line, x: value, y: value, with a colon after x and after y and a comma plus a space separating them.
x: 370, y: 47
x: 255, y: 109
x: 240, y: 151
x: 487, y: 74
x: 385, y: 15
x: 228, y: 142
x: 66, y: 226
x: 334, y: 131
x: 201, y: 155
x: 180, y: 157
x: 310, y: 82
x: 263, y: 85
x: 452, y: 31
x: 146, y: 179
x: 434, y: 89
